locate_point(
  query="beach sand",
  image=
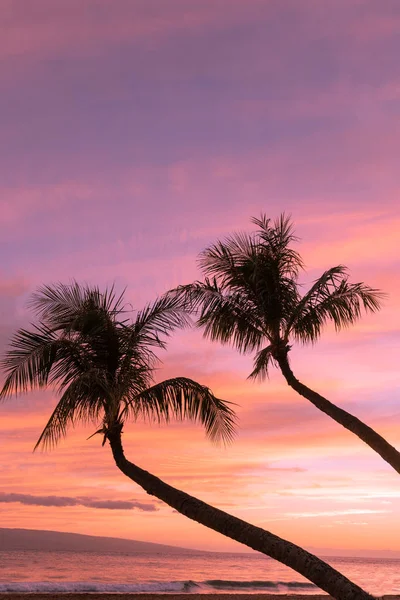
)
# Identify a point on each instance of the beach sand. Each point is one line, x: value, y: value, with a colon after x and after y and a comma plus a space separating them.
x: 94, y: 596
x: 150, y: 596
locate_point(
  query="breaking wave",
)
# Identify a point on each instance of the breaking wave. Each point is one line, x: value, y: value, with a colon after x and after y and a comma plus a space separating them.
x: 208, y: 586
x: 223, y: 584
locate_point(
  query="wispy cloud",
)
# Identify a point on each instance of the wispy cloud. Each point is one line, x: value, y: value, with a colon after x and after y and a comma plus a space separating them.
x: 336, y: 513
x: 63, y: 501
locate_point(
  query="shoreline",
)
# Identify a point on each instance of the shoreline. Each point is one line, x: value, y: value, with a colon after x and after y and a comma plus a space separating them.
x: 170, y: 596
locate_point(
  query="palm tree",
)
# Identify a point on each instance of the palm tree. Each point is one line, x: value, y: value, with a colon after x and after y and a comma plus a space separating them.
x: 102, y: 366
x: 251, y: 298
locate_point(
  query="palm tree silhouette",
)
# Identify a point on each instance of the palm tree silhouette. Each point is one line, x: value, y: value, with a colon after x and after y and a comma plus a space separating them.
x: 251, y: 298
x: 103, y: 367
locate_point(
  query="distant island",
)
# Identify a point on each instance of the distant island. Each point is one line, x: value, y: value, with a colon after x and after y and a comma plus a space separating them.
x: 57, y: 541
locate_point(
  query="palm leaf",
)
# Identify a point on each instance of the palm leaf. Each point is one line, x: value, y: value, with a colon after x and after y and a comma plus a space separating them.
x: 29, y: 361
x: 84, y: 401
x: 61, y: 305
x: 40, y: 357
x: 332, y: 298
x: 158, y: 319
x: 223, y: 260
x: 228, y: 317
x: 181, y: 398
x: 274, y: 240
x: 319, y: 289
x: 263, y: 359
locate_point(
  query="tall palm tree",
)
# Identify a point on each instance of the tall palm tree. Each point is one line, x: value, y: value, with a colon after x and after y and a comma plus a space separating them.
x: 251, y: 298
x: 102, y: 366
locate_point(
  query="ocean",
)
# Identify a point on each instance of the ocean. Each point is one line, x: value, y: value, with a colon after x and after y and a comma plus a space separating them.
x: 27, y: 571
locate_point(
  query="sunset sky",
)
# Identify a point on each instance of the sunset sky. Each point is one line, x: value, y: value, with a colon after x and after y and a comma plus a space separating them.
x: 133, y: 134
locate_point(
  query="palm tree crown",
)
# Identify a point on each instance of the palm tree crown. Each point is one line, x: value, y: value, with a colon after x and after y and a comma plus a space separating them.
x: 251, y: 296
x: 102, y: 364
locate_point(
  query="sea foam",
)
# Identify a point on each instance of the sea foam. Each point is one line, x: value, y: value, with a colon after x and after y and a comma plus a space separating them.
x: 188, y: 586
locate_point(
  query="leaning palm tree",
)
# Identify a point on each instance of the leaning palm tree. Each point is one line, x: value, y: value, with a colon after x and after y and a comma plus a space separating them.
x: 251, y: 298
x: 102, y: 366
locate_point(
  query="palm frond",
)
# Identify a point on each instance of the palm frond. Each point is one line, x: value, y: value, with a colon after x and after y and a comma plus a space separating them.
x: 59, y: 304
x: 230, y: 319
x: 322, y: 286
x: 181, y: 398
x: 83, y: 401
x: 76, y: 308
x: 29, y: 361
x: 274, y: 241
x: 157, y: 320
x: 224, y: 260
x: 227, y: 317
x: 332, y: 298
x: 131, y: 382
x: 39, y: 358
x: 262, y: 362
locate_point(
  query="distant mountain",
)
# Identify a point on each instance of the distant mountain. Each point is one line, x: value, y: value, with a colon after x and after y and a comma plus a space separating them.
x: 354, y: 553
x: 57, y: 541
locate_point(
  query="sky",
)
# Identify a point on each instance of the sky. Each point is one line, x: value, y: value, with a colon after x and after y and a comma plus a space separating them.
x: 134, y: 134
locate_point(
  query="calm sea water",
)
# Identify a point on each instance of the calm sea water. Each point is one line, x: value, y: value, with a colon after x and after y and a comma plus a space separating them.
x: 204, y: 573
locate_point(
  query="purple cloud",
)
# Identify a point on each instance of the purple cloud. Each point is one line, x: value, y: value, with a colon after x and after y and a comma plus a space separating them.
x: 32, y: 500
x: 119, y: 505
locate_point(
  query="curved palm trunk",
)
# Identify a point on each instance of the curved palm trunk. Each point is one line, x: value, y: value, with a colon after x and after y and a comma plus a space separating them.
x: 363, y: 431
x: 308, y: 565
